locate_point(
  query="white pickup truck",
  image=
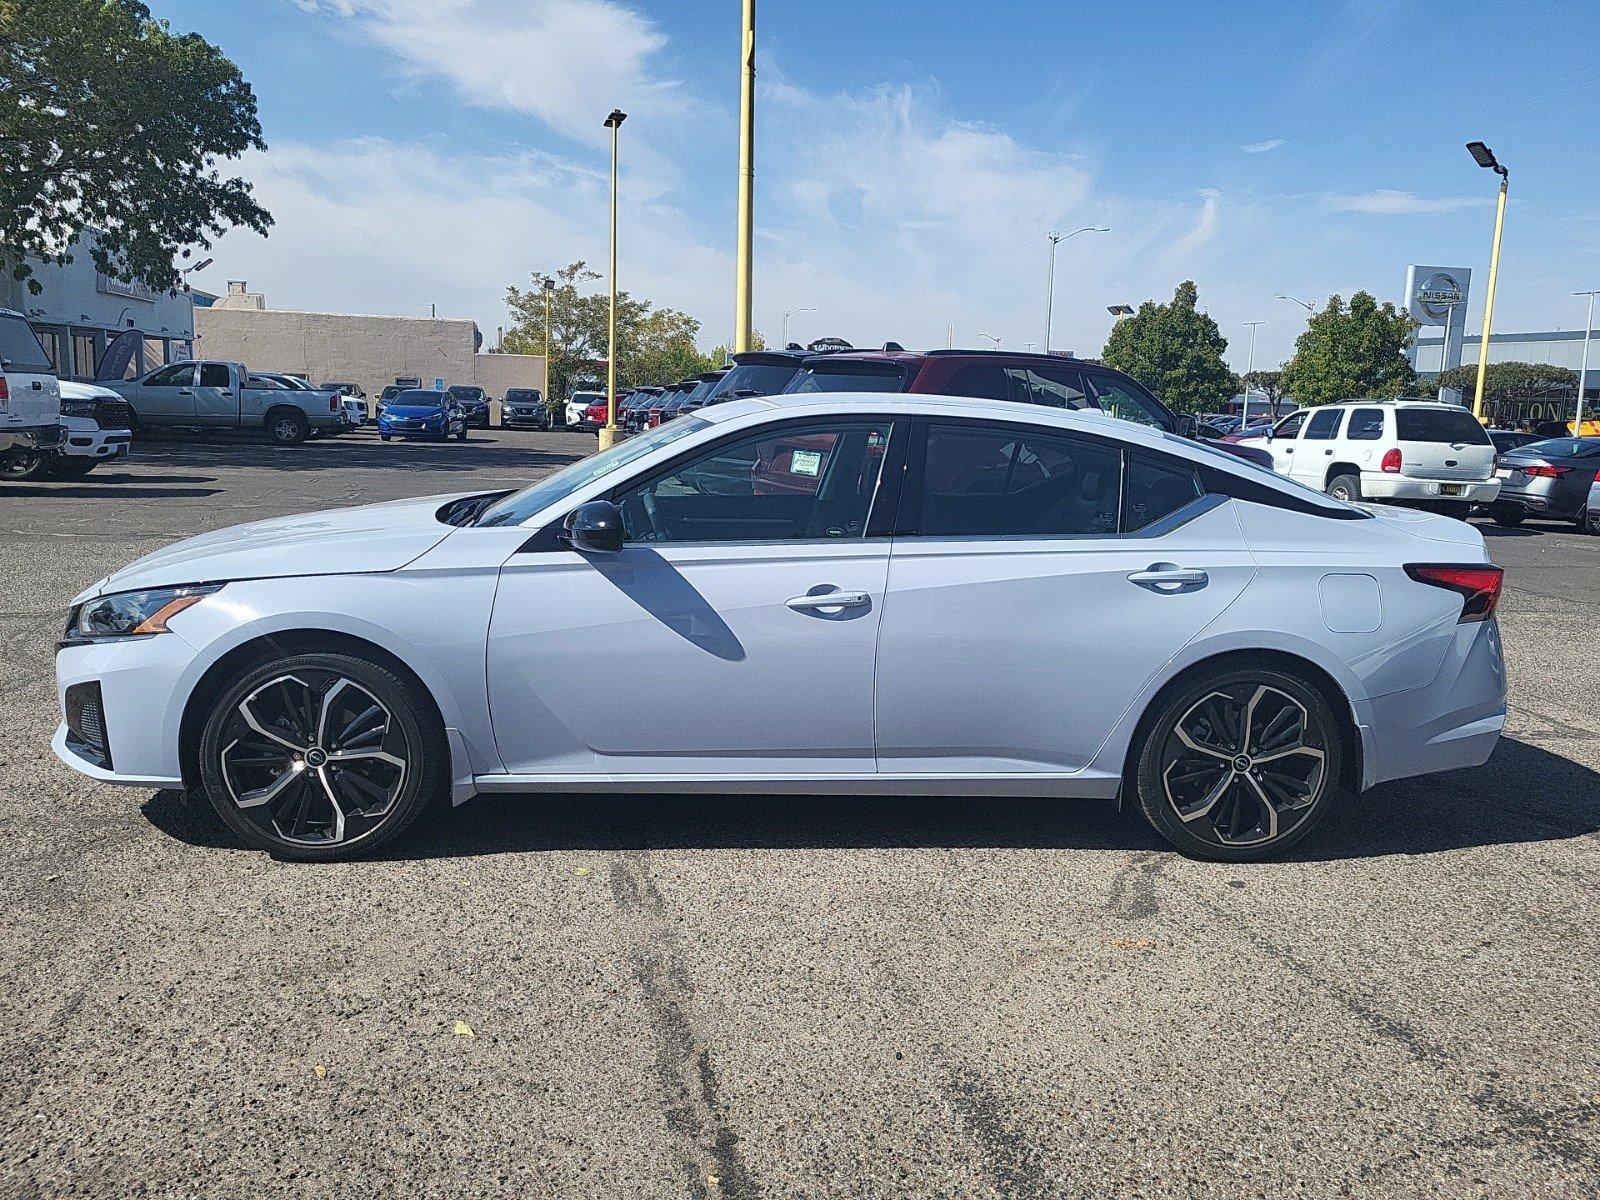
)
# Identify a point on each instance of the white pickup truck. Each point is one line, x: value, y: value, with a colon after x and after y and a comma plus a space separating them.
x: 223, y: 395
x: 30, y: 400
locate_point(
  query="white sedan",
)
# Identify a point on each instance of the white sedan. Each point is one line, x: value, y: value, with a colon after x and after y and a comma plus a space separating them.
x: 807, y: 594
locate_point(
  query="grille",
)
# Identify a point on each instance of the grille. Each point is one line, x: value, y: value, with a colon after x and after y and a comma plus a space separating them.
x: 86, y: 724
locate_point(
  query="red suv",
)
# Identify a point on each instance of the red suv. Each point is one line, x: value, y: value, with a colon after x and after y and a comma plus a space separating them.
x: 1053, y: 380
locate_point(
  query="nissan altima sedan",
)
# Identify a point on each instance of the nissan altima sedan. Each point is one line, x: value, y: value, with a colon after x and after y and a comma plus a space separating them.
x: 821, y: 593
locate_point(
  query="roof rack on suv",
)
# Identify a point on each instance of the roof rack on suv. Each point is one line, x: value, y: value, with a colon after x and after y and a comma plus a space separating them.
x: 1062, y: 355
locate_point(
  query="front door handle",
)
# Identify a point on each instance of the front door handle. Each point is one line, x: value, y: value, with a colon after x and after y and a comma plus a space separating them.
x: 1167, y: 578
x: 809, y: 603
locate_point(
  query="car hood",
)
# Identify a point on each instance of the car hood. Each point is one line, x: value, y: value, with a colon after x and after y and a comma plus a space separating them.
x: 341, y: 541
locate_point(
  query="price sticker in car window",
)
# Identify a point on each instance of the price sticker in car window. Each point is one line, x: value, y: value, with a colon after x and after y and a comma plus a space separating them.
x: 805, y: 462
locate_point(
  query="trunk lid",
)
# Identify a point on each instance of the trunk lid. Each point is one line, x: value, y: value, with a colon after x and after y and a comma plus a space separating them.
x: 1442, y: 442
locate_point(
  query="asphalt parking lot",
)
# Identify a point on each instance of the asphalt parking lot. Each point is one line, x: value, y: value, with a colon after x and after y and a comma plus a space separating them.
x: 783, y: 997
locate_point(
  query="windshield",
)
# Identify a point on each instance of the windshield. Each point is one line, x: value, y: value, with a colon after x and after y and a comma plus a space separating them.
x: 520, y: 395
x: 418, y: 400
x: 519, y: 506
x: 465, y: 393
x: 832, y: 379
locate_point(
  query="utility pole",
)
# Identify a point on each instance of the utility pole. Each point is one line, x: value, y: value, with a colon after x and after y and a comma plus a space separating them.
x: 608, y: 434
x: 1583, y: 372
x: 1484, y: 157
x: 1250, y: 366
x: 1050, y: 287
x: 743, y: 328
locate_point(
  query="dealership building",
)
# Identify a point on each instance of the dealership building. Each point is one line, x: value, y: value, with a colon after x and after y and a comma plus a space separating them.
x: 371, y: 352
x: 79, y: 310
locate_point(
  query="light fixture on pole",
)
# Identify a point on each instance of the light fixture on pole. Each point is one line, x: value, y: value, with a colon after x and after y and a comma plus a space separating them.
x: 1250, y: 366
x: 608, y: 433
x: 743, y: 330
x: 199, y: 266
x: 1485, y: 158
x: 1050, y: 286
x: 1120, y: 310
x: 549, y: 290
x: 1583, y: 371
x: 793, y: 312
x: 1296, y: 300
x: 992, y: 338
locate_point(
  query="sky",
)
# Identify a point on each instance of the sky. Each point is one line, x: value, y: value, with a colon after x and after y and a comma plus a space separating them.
x: 911, y: 159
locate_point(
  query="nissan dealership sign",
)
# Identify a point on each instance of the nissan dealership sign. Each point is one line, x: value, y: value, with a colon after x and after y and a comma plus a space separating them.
x: 1437, y: 294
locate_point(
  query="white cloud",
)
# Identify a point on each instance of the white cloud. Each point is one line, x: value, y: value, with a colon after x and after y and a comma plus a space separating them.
x: 1390, y: 202
x: 1262, y: 147
x: 566, y: 62
x: 1205, y: 224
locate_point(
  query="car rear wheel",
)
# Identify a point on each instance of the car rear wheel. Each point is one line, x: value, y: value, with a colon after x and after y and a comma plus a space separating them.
x: 1345, y: 487
x: 321, y: 756
x: 22, y: 465
x: 288, y: 426
x: 1238, y: 765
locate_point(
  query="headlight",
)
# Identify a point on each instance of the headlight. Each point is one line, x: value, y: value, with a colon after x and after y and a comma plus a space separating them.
x: 77, y: 408
x: 133, y: 614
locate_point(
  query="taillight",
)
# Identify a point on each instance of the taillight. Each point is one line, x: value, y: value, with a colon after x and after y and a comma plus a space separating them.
x: 333, y: 404
x: 1543, y: 472
x: 1478, y: 584
x: 1391, y: 461
x: 5, y: 390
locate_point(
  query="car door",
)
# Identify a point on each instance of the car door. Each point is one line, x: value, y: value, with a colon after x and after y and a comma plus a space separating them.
x: 165, y: 396
x: 1315, y: 451
x: 1039, y: 579
x: 216, y: 398
x: 732, y: 635
x: 1281, y: 445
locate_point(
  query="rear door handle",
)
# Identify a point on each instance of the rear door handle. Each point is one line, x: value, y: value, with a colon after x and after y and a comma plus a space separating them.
x: 1167, y: 578
x: 828, y: 600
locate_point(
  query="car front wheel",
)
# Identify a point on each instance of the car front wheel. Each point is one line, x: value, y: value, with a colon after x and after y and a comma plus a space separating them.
x: 1238, y: 765
x: 321, y: 756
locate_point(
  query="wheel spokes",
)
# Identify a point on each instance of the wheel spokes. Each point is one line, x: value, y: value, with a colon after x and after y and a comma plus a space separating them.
x: 286, y: 716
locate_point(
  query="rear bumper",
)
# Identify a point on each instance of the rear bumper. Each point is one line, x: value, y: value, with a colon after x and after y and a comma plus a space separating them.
x: 1376, y: 486
x: 1451, y: 722
x: 30, y: 437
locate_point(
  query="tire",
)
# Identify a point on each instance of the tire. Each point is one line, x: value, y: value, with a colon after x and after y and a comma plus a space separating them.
x: 261, y: 746
x: 1190, y: 785
x: 287, y: 426
x: 24, y: 466
x: 1509, y: 519
x: 1345, y: 487
x: 383, y: 437
x: 461, y: 436
x: 71, y: 467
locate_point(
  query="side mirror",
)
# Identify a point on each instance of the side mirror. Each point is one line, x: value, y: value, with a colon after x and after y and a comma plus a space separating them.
x: 1188, y: 426
x: 594, y: 528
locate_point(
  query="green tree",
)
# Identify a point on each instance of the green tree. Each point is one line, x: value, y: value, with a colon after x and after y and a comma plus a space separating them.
x: 1175, y: 350
x: 1265, y: 385
x: 109, y: 119
x: 1511, y: 380
x: 1352, y: 352
x: 654, y: 345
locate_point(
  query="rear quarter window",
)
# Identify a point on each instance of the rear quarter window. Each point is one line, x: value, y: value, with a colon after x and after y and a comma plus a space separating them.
x: 1439, y: 425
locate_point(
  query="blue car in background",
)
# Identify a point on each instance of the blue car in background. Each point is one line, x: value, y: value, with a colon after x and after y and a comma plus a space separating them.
x: 418, y: 414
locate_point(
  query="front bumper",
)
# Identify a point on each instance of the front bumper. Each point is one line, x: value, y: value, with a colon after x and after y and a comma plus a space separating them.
x: 141, y: 681
x: 1376, y: 486
x: 98, y: 444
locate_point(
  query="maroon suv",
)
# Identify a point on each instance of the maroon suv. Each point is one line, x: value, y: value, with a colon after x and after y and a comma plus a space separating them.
x: 1053, y: 380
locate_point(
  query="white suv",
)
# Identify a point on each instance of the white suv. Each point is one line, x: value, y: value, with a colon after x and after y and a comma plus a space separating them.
x: 30, y: 402
x: 1403, y: 450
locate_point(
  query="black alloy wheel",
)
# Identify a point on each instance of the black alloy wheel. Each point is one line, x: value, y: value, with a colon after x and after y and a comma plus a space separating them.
x: 321, y: 756
x: 1240, y: 765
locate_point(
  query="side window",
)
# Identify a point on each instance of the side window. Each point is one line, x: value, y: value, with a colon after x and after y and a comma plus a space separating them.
x: 180, y: 375
x: 215, y: 375
x: 1324, y: 425
x: 1059, y: 387
x: 991, y: 481
x: 990, y: 381
x: 1122, y: 400
x: 1156, y: 487
x: 810, y: 481
x: 1366, y: 425
x: 1290, y: 426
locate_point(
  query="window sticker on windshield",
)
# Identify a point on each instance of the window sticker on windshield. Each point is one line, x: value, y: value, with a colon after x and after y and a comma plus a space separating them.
x: 805, y: 462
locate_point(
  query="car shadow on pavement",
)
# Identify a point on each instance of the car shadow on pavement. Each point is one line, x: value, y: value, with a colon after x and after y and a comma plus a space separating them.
x: 1525, y: 794
x: 134, y: 488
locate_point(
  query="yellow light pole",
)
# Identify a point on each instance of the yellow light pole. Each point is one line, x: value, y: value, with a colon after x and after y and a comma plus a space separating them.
x: 743, y: 327
x: 549, y: 290
x: 1484, y: 157
x: 608, y: 433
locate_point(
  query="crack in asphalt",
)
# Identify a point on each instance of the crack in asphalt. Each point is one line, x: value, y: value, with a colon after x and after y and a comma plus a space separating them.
x: 707, y: 1146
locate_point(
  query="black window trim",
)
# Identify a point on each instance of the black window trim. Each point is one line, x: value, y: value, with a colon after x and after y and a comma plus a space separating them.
x: 885, y: 498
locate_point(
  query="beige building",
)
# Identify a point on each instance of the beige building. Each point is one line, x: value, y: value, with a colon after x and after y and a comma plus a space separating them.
x: 369, y: 351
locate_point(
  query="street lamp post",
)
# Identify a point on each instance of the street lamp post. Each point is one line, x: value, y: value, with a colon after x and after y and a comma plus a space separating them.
x: 549, y: 290
x: 793, y: 312
x: 1050, y: 286
x: 742, y: 326
x: 1296, y: 300
x: 1485, y: 158
x: 1583, y: 371
x: 1250, y: 366
x: 608, y: 434
x: 992, y: 338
